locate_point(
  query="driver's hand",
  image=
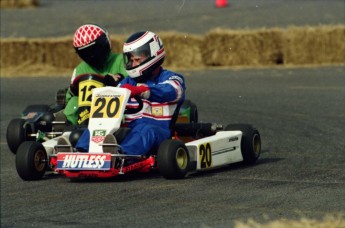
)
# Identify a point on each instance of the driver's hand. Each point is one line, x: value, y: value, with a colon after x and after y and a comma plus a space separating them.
x: 112, y: 80
x: 142, y: 90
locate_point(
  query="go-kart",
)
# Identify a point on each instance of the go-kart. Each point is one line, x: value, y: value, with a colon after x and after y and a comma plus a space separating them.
x: 193, y: 146
x: 37, y: 123
x: 41, y: 123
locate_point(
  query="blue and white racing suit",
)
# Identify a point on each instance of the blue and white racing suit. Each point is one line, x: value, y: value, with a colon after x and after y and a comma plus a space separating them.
x: 151, y: 126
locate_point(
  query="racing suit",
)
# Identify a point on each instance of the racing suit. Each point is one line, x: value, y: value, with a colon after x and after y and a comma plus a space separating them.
x: 114, y: 65
x: 151, y: 126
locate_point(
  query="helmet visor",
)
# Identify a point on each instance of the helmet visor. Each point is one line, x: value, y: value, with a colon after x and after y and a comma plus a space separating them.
x: 96, y: 53
x: 137, y: 57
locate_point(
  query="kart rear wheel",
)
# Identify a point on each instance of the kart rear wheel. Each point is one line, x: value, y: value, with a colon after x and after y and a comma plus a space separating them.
x: 17, y: 132
x: 173, y: 159
x: 250, y: 142
x: 31, y: 160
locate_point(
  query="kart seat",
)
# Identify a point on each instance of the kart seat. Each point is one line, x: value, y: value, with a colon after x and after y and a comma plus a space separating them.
x: 174, y: 119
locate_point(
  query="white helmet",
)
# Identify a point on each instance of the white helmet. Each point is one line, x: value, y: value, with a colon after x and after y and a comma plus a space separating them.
x: 143, y: 43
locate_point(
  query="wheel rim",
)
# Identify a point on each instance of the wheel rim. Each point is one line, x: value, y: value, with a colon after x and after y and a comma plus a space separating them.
x: 39, y: 160
x: 256, y: 145
x: 181, y: 158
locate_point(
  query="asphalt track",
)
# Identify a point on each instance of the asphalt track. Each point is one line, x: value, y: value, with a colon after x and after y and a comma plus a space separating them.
x: 299, y: 113
x: 62, y: 17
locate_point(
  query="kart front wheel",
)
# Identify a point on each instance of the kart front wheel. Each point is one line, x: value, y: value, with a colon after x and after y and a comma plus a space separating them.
x: 31, y: 160
x: 17, y: 132
x: 250, y: 142
x: 173, y: 159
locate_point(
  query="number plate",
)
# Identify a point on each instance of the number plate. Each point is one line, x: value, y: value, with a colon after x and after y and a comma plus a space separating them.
x: 85, y: 91
x: 106, y: 106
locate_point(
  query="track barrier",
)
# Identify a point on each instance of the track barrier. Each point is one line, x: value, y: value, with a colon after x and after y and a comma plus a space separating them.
x: 297, y: 46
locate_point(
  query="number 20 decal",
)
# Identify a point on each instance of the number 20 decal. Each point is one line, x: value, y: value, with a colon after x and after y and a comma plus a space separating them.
x: 205, y: 153
x: 106, y: 107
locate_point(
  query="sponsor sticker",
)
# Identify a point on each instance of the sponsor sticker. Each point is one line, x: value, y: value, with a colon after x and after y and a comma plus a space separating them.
x: 175, y: 77
x: 157, y: 111
x: 83, y: 161
x: 98, y: 136
x: 30, y: 115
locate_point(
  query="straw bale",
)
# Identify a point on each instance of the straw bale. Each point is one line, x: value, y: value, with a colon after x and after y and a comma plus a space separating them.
x: 314, y: 45
x: 59, y: 52
x: 328, y: 221
x: 182, y: 50
x: 320, y: 45
x: 56, y: 52
x: 13, y: 51
x: 18, y: 3
x: 117, y: 43
x: 243, y: 47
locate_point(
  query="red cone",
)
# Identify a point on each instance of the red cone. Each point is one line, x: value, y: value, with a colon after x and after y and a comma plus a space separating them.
x: 221, y: 3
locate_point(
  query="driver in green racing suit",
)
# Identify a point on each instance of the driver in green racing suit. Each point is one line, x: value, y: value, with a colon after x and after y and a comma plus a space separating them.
x: 100, y: 67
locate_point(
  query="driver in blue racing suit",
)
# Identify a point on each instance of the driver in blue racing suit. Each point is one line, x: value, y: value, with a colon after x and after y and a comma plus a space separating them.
x: 162, y: 91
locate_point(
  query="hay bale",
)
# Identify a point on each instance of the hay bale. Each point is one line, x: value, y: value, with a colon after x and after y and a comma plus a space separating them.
x: 243, y: 47
x: 182, y: 50
x: 13, y: 52
x: 117, y: 43
x: 264, y: 47
x: 18, y: 3
x: 55, y: 52
x: 59, y: 52
x: 314, y: 45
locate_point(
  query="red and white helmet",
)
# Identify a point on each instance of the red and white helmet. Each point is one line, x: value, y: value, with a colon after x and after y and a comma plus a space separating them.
x: 92, y: 44
x: 143, y: 43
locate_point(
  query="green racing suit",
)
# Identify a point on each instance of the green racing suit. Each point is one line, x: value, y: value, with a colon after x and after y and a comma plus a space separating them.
x: 113, y: 66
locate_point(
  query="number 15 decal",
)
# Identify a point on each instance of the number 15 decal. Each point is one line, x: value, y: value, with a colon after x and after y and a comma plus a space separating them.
x: 205, y: 153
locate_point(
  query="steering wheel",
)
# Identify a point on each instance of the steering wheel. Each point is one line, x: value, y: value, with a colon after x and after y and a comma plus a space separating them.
x: 137, y: 109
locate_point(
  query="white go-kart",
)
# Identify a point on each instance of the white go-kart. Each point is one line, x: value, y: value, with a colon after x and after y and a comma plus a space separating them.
x: 193, y: 147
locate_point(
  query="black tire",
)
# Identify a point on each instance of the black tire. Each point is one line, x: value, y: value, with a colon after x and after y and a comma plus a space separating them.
x: 193, y: 118
x: 36, y: 108
x: 250, y: 142
x: 17, y: 132
x: 173, y: 159
x: 31, y: 161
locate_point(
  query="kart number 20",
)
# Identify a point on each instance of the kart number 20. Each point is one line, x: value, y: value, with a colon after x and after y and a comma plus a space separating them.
x: 205, y: 153
x: 106, y: 107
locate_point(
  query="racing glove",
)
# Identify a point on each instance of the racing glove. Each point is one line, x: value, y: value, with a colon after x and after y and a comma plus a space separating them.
x: 142, y: 90
x: 112, y: 80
